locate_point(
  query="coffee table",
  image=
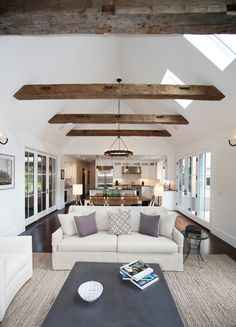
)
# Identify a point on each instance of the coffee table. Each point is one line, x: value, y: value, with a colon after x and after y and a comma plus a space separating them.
x: 121, y: 304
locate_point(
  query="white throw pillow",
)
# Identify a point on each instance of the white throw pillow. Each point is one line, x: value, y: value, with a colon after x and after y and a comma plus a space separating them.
x: 119, y: 222
x: 166, y: 225
x: 67, y: 224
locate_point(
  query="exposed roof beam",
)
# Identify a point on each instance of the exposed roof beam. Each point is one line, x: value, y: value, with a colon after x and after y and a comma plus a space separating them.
x: 114, y: 119
x: 116, y: 17
x: 123, y: 132
x: 118, y: 91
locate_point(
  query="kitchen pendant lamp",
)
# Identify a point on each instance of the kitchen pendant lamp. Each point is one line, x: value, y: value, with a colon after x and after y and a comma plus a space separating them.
x: 118, y: 151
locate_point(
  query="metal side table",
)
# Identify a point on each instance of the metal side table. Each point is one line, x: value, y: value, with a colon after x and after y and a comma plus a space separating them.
x: 194, y: 243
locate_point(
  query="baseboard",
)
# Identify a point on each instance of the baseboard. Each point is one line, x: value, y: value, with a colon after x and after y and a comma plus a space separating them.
x: 224, y: 236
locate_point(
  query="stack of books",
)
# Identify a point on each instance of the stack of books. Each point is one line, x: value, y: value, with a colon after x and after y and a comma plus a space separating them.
x: 138, y: 273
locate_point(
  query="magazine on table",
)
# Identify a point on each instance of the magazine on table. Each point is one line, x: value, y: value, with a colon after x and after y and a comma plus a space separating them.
x: 142, y: 283
x: 136, y: 269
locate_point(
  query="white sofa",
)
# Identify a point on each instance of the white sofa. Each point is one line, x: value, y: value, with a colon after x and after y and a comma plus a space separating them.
x: 167, y: 249
x: 15, y: 267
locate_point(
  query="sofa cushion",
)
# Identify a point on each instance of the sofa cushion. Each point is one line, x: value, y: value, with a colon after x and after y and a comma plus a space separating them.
x: 67, y: 224
x: 101, y: 214
x: 102, y: 219
x: 67, y: 220
x: 136, y: 215
x: 140, y: 243
x: 167, y: 223
x: 14, y: 263
x: 119, y: 222
x: 149, y: 225
x: 100, y: 242
x: 86, y: 225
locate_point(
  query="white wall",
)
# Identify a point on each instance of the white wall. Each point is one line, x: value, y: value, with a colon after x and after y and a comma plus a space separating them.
x: 12, y: 201
x: 223, y: 182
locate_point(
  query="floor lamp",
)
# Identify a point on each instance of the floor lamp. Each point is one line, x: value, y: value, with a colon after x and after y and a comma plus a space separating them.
x: 159, y: 192
x: 78, y: 191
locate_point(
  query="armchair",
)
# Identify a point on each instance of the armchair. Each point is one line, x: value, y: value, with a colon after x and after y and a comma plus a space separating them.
x: 15, y: 267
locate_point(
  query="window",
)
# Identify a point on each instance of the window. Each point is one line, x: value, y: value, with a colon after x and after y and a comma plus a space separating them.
x: 219, y: 49
x: 194, y: 179
x: 171, y: 78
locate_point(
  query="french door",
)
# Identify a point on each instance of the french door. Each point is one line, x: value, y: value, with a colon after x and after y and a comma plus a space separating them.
x: 194, y: 176
x: 40, y: 185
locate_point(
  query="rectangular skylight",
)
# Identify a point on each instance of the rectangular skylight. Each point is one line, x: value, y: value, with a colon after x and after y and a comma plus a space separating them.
x: 171, y: 78
x: 219, y: 49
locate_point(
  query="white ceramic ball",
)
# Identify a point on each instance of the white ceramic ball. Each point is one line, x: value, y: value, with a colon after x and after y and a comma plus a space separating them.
x: 90, y: 291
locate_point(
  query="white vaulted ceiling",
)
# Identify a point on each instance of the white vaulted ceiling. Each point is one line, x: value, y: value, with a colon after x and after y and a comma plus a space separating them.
x: 101, y: 59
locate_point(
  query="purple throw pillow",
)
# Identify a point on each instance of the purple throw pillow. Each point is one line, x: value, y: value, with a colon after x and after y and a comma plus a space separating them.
x: 86, y: 225
x: 149, y: 225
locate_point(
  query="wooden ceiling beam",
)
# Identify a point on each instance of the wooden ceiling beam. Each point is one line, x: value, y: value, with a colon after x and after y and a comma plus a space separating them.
x: 114, y: 119
x: 123, y: 132
x: 43, y: 17
x: 118, y: 91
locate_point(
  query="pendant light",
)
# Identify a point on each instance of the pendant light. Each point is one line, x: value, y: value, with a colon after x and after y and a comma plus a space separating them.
x: 118, y: 151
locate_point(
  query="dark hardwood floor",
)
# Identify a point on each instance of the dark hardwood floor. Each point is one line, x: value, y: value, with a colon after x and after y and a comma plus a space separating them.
x: 42, y: 230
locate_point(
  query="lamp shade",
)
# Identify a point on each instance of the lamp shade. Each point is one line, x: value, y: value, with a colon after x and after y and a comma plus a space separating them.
x: 77, y: 189
x: 159, y: 190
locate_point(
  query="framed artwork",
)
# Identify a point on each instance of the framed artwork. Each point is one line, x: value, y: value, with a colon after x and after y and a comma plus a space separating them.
x: 7, y: 171
x: 62, y: 174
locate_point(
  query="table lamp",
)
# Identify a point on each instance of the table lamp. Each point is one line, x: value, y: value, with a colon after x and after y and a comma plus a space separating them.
x: 78, y: 190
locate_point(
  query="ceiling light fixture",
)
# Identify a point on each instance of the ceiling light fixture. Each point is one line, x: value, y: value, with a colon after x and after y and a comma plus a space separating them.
x: 3, y: 138
x: 232, y: 142
x: 118, y: 152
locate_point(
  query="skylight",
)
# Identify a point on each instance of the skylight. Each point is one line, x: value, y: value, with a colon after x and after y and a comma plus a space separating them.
x: 171, y: 78
x: 219, y: 49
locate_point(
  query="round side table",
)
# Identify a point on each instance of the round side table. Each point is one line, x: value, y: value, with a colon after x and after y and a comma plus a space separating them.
x: 194, y: 243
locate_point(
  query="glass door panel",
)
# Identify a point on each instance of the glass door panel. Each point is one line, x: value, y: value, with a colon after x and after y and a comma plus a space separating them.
x: 52, y: 182
x: 204, y: 186
x: 29, y: 186
x: 207, y: 186
x: 41, y: 183
x: 192, y: 184
x: 181, y: 183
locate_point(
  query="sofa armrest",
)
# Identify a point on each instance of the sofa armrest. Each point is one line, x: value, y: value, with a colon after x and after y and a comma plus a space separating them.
x: 57, y: 236
x: 16, y: 244
x: 178, y: 237
x: 74, y: 208
x: 2, y: 289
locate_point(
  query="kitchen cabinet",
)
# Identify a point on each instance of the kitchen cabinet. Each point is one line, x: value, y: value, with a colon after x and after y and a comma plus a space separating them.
x: 145, y: 170
x: 153, y: 170
x: 160, y: 170
x: 117, y: 170
x: 104, y: 162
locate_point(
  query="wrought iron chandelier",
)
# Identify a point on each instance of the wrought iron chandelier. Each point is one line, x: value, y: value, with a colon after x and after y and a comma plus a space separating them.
x: 118, y: 151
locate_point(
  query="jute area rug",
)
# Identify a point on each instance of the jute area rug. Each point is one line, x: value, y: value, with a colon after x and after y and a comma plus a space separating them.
x: 204, y: 297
